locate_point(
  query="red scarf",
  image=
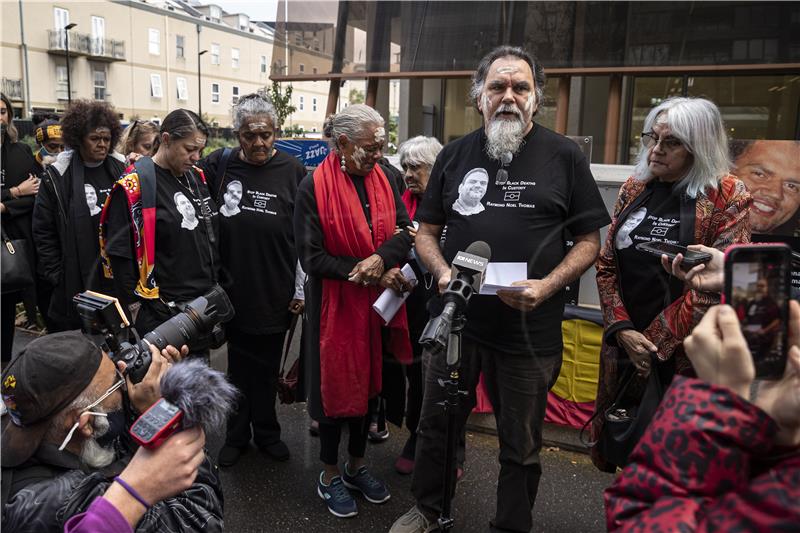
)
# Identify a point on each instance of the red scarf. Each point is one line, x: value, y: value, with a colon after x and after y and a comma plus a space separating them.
x: 411, y: 201
x: 350, y: 348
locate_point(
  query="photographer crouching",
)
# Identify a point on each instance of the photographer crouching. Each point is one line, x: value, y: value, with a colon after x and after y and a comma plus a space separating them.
x: 65, y: 443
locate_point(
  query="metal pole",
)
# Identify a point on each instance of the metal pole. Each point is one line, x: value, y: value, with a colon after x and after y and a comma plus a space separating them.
x: 69, y: 84
x: 199, y: 88
x: 26, y: 70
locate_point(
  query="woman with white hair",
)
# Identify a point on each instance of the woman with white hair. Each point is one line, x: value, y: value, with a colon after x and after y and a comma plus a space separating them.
x: 344, y: 223
x: 681, y: 192
x: 255, y: 184
x: 417, y: 156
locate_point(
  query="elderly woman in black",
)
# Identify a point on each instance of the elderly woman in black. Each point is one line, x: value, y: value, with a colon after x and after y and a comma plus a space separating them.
x: 344, y: 222
x: 175, y: 257
x: 66, y: 216
x: 255, y: 185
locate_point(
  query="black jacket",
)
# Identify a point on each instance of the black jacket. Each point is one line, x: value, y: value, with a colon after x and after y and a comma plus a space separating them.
x: 17, y: 162
x: 65, y: 239
x: 53, y: 488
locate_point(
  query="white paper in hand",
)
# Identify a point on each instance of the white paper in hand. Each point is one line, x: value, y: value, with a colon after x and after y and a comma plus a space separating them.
x: 502, y: 275
x: 389, y: 302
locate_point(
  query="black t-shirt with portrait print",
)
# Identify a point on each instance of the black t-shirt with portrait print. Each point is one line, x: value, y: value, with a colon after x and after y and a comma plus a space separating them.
x: 187, y: 258
x: 643, y: 282
x: 256, y: 236
x: 550, y: 190
x: 97, y: 184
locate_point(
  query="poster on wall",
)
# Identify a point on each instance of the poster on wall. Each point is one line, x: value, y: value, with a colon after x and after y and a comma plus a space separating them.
x: 771, y: 172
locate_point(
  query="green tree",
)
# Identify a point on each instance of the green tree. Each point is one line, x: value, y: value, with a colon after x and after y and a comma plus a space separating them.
x: 355, y: 97
x: 282, y: 100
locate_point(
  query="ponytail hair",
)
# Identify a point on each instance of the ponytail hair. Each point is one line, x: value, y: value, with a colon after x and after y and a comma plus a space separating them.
x: 180, y: 124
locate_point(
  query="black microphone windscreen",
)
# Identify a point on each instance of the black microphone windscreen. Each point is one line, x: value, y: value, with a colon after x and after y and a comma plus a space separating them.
x: 481, y: 249
x: 203, y: 394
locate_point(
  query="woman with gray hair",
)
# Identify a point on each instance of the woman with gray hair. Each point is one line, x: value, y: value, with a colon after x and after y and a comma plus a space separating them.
x: 344, y: 222
x: 417, y: 156
x: 681, y: 193
x: 255, y: 185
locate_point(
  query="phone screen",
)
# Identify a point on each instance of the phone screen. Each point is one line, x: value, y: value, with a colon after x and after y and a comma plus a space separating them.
x: 758, y: 290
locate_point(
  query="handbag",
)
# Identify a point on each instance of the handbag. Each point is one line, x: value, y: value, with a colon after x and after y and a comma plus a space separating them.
x: 287, y: 381
x: 16, y: 268
x: 624, y: 423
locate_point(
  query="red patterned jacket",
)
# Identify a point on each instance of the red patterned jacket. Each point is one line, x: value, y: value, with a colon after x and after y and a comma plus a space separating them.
x: 721, y: 219
x: 707, y: 463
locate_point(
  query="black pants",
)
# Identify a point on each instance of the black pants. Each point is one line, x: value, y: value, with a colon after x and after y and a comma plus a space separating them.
x: 517, y: 386
x: 8, y: 314
x: 413, y: 406
x: 331, y: 433
x: 253, y: 366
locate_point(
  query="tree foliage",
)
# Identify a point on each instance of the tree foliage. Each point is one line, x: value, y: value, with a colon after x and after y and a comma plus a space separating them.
x: 281, y: 100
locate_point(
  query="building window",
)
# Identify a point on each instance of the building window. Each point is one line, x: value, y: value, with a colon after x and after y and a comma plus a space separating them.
x: 99, y: 82
x: 313, y: 104
x: 155, y: 86
x: 98, y: 36
x: 263, y: 64
x: 180, y: 44
x: 60, y: 19
x: 244, y: 22
x: 154, y: 41
x: 302, y: 105
x: 61, y: 82
x: 313, y: 70
x: 302, y: 68
x: 214, y: 13
x: 183, y: 88
x: 215, y: 93
x: 235, y: 94
x: 235, y: 57
x: 214, y: 54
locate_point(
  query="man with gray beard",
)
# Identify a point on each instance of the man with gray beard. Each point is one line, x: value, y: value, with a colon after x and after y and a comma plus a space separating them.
x: 540, y: 193
x: 64, y: 438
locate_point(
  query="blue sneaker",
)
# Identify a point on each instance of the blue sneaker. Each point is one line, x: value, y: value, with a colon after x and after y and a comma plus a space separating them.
x: 340, y: 502
x: 372, y: 488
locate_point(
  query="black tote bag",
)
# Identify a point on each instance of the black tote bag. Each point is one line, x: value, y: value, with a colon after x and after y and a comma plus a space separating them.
x: 625, y: 422
x: 16, y: 268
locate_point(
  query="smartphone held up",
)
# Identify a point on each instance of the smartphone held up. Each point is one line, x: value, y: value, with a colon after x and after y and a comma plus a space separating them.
x: 758, y: 287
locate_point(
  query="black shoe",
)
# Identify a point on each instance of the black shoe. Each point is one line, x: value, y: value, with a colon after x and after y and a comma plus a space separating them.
x: 277, y: 450
x: 229, y: 455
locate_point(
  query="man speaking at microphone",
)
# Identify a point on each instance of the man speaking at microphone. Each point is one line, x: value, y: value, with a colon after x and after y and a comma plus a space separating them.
x: 540, y: 189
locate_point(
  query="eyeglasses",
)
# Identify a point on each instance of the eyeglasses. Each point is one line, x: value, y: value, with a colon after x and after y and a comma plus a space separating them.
x: 650, y: 139
x: 88, y: 409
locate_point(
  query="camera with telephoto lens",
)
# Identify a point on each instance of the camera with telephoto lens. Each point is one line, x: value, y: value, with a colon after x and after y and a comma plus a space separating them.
x: 199, y: 323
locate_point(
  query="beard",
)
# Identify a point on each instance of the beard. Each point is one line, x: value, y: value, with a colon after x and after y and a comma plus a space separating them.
x: 505, y: 136
x: 92, y: 453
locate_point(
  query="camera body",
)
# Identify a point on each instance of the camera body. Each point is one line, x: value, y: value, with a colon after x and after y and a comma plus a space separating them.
x: 199, y: 321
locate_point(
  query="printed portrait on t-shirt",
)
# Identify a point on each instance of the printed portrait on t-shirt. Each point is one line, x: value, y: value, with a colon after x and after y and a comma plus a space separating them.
x: 91, y: 199
x: 231, y: 199
x: 623, y: 239
x: 187, y: 211
x: 471, y: 191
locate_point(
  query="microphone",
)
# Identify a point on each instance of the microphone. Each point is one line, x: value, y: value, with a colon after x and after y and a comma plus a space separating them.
x: 193, y: 394
x: 469, y: 270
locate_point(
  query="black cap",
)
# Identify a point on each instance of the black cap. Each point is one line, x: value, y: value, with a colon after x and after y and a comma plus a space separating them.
x: 43, y: 379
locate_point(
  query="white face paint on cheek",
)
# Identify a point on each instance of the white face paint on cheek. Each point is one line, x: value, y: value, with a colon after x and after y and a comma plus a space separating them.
x: 358, y: 156
x: 529, y: 105
x: 380, y: 135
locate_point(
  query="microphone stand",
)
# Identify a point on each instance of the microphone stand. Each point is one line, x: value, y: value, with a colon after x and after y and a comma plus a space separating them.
x: 450, y: 406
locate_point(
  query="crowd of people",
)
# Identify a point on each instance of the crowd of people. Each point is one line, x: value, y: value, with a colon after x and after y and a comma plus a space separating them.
x: 143, y: 215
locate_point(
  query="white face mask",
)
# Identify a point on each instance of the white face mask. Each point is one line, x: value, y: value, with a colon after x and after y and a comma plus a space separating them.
x: 88, y: 410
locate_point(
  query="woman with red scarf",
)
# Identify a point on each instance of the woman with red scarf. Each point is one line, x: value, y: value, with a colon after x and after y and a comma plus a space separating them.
x: 344, y: 221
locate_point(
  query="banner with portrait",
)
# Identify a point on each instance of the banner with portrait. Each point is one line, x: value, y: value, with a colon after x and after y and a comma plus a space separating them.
x: 771, y: 172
